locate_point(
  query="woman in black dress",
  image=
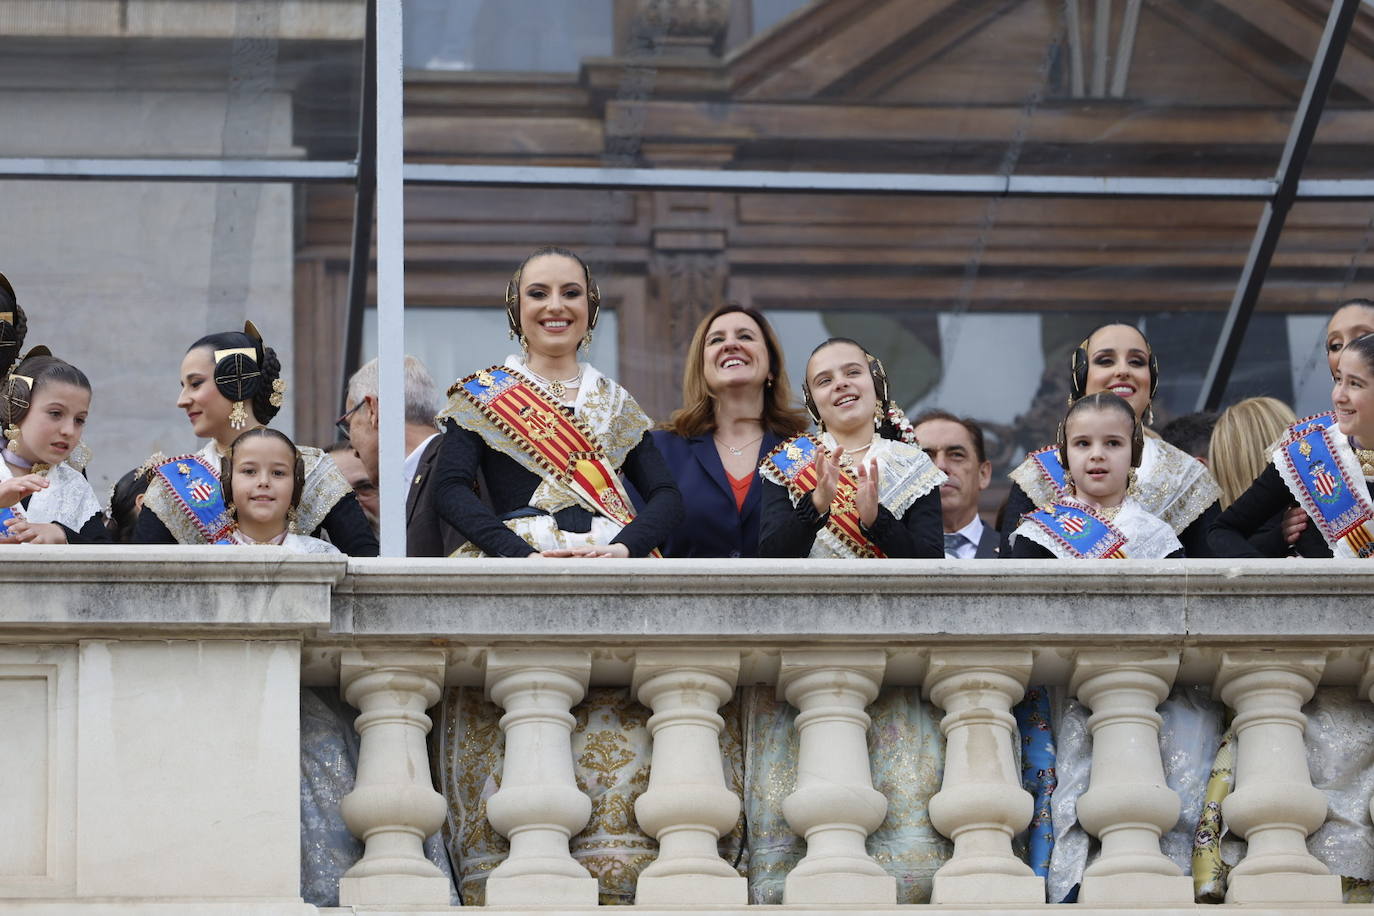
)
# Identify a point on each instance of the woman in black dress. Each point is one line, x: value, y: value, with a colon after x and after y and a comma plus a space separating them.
x: 1169, y: 484
x: 231, y: 382
x: 551, y: 437
x: 1319, y: 467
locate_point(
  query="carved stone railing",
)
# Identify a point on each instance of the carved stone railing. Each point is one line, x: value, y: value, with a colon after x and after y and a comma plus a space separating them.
x: 149, y: 706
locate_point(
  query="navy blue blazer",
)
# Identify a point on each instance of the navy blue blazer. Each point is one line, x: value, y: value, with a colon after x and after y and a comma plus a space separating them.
x: 712, y: 526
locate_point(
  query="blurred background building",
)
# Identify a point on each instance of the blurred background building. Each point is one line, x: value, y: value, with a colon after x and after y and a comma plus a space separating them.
x: 972, y: 299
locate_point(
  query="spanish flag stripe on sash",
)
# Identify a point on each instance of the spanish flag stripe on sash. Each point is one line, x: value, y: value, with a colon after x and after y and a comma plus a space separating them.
x: 565, y: 435
x: 557, y: 442
x: 795, y: 460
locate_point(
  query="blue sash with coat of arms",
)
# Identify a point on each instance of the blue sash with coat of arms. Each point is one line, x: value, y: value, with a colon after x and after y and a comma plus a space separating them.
x: 195, y: 487
x: 1047, y: 459
x: 1328, y: 485
x: 1079, y: 532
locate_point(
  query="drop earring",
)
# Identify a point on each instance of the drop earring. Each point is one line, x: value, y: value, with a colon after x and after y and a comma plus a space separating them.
x: 12, y: 433
x: 524, y: 346
x: 238, y: 416
x: 586, y: 345
x: 292, y: 520
x: 1150, y: 414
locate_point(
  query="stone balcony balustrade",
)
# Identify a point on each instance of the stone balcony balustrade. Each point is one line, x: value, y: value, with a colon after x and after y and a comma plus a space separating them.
x: 149, y: 719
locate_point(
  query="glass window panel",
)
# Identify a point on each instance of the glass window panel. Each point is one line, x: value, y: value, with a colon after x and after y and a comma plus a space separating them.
x: 121, y: 278
x: 973, y: 304
x: 1326, y: 256
x: 1341, y: 148
x: 182, y: 78
x: 1204, y: 90
x: 536, y: 36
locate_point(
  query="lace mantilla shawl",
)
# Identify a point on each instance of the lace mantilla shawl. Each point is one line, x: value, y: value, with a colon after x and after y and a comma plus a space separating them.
x: 67, y: 500
x: 1170, y: 484
x: 905, y: 474
x: 607, y: 411
x: 1147, y: 536
x: 325, y: 485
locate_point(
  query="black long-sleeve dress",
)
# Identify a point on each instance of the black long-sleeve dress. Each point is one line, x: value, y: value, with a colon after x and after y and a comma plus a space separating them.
x: 788, y: 530
x: 1247, y: 529
x: 345, y: 524
x: 510, y: 487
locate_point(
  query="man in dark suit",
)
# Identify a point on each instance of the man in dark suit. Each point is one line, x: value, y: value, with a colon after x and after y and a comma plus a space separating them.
x: 956, y: 446
x: 426, y: 534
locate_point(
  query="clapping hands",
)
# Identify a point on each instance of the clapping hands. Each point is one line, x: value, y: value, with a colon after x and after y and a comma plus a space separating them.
x: 827, y: 481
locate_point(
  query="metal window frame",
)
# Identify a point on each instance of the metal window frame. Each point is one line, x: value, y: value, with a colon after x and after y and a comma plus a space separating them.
x: 380, y: 175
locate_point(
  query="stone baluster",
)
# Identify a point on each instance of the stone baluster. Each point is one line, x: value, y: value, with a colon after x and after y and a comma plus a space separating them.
x: 981, y: 805
x: 538, y: 807
x: 834, y: 806
x: 687, y: 806
x: 1128, y: 805
x: 393, y: 805
x: 1275, y: 806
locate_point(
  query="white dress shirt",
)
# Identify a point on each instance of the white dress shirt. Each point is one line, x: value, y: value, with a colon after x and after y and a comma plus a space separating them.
x: 973, y: 533
x: 413, y: 462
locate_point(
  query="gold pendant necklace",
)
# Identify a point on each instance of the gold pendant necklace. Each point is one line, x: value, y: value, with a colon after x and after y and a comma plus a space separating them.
x: 847, y: 459
x: 557, y: 387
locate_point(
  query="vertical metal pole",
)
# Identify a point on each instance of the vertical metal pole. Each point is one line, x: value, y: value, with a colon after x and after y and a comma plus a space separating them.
x: 364, y: 204
x: 390, y: 278
x: 1305, y: 120
x: 1102, y: 27
x: 1125, y: 48
x: 1075, y: 28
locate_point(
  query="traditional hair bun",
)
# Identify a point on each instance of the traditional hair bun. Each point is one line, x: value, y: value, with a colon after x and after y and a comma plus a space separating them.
x: 13, y: 329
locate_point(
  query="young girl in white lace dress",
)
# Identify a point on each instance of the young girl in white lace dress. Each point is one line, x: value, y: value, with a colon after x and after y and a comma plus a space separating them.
x: 1100, y: 445
x: 263, y: 477
x: 44, y: 499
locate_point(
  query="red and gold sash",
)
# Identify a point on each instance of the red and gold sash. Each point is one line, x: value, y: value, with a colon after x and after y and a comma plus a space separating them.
x: 793, y: 463
x: 558, y: 443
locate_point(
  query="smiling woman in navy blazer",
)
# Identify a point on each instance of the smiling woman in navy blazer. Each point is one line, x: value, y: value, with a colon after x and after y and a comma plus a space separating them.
x: 737, y: 405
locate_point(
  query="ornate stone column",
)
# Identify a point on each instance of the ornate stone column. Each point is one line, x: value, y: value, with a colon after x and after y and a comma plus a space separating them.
x: 1275, y: 806
x: 687, y: 806
x: 1128, y: 805
x: 835, y: 806
x: 981, y: 804
x: 538, y: 807
x: 393, y: 805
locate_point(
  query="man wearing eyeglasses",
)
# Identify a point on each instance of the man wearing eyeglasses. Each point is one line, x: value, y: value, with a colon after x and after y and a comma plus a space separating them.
x: 352, y: 468
x: 426, y: 534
